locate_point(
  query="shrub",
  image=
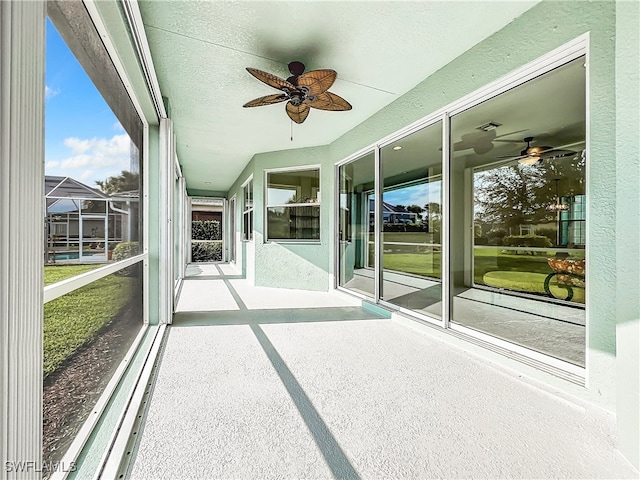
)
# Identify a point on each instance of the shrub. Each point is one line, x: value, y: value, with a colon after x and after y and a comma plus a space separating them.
x: 495, y: 236
x: 404, y: 227
x: 550, y: 233
x: 206, y: 252
x: 481, y: 241
x: 206, y: 230
x: 496, y: 233
x: 527, y: 241
x: 123, y: 251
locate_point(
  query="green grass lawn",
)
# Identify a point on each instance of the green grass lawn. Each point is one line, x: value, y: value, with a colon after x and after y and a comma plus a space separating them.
x: 527, y: 271
x: 409, y: 237
x: 73, y: 319
x: 417, y: 263
x: 57, y: 273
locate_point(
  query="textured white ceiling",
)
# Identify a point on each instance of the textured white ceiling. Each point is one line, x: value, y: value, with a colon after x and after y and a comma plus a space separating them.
x: 379, y: 49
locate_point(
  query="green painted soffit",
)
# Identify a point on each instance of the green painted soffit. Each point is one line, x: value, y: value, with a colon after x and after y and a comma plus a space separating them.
x: 194, y: 192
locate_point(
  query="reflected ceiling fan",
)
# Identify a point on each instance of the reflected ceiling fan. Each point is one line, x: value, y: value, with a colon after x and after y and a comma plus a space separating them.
x: 536, y: 154
x: 302, y: 91
x: 482, y: 142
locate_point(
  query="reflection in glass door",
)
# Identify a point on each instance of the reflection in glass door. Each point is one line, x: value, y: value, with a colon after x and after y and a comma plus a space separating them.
x: 411, y: 221
x: 356, y: 223
x: 518, y: 242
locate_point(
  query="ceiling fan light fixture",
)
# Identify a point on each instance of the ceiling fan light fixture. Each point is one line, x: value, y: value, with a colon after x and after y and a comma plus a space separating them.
x: 558, y: 207
x: 397, y: 147
x: 530, y: 160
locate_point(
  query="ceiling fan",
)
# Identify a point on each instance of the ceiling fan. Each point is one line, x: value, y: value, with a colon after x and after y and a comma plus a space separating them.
x: 535, y: 155
x: 301, y: 91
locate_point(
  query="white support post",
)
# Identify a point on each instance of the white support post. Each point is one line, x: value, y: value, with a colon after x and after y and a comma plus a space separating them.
x: 378, y: 225
x: 165, y: 224
x: 182, y: 225
x: 22, y: 43
x: 445, y: 224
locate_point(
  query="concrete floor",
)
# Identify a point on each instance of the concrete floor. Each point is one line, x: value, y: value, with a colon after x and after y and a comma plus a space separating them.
x: 552, y: 329
x: 326, y: 389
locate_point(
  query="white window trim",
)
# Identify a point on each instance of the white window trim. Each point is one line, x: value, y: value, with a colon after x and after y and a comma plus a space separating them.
x: 248, y: 236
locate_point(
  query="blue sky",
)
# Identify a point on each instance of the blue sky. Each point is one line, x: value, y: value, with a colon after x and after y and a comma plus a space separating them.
x: 83, y: 138
x: 415, y: 195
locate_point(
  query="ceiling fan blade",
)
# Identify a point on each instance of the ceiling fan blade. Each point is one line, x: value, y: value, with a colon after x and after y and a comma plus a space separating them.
x: 297, y: 113
x: 507, y: 134
x: 271, y: 80
x: 267, y: 100
x: 317, y: 81
x: 482, y: 141
x: 330, y: 101
x: 557, y: 153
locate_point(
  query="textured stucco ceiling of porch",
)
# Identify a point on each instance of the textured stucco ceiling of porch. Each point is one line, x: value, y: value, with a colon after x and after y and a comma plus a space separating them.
x: 380, y: 50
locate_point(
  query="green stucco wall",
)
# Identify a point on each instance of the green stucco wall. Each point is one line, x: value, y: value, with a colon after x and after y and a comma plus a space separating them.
x: 288, y: 264
x: 628, y: 227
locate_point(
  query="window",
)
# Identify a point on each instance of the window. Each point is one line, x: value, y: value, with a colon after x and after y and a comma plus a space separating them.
x: 93, y: 217
x: 293, y: 205
x: 247, y: 214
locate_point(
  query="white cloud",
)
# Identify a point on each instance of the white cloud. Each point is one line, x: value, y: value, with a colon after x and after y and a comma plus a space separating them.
x: 118, y: 127
x: 98, y: 152
x: 77, y: 161
x: 91, y: 159
x: 50, y: 92
x: 86, y: 177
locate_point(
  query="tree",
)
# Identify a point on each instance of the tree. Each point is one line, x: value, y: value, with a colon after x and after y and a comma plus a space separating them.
x: 434, y: 216
x: 433, y: 209
x: 517, y: 194
x: 415, y: 209
x: 125, y: 182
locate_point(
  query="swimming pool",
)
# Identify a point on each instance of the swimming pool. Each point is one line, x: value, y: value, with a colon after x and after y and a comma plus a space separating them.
x: 69, y: 255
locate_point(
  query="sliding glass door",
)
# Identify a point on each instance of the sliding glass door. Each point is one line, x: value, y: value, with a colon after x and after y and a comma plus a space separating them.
x: 411, y: 221
x: 507, y: 195
x: 518, y: 221
x: 356, y: 264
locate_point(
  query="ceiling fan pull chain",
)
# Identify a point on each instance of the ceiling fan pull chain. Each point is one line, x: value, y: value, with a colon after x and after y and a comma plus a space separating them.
x: 291, y: 123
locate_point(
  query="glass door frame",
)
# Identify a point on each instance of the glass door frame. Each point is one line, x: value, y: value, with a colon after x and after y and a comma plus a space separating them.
x: 444, y: 247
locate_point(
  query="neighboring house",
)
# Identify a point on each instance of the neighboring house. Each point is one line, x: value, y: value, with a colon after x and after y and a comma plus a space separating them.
x: 83, y: 223
x: 393, y: 214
